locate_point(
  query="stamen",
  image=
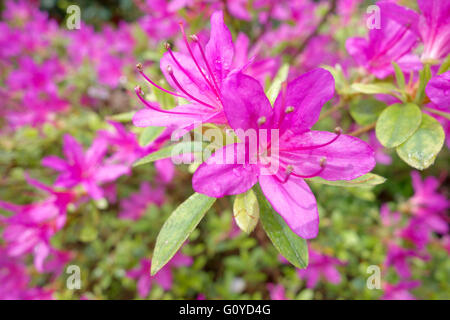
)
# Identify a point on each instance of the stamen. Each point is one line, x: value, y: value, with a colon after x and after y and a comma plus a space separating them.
x: 261, y: 121
x: 322, y: 163
x: 338, y: 132
x: 170, y: 71
x: 140, y: 69
x: 195, y: 39
x: 289, y: 109
x: 153, y: 106
x: 194, y: 59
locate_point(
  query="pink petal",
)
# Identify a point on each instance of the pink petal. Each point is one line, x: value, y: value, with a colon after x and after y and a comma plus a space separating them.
x: 72, y: 149
x: 307, y: 94
x: 295, y: 202
x: 224, y: 173
x: 346, y: 158
x: 438, y: 90
x: 55, y: 163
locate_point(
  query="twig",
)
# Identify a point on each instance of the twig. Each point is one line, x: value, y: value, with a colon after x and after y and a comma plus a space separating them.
x: 362, y: 130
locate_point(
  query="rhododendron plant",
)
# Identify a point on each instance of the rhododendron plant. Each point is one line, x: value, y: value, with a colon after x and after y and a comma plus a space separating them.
x: 211, y: 149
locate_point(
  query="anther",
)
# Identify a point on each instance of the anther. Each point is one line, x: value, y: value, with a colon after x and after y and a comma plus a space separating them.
x: 261, y: 121
x: 338, y: 130
x: 138, y: 89
x: 289, y: 109
x: 323, y: 162
x: 194, y: 38
x: 139, y: 66
x: 167, y: 46
x: 169, y: 69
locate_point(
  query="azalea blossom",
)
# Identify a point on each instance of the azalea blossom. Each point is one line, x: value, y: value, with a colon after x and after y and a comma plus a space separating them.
x: 298, y: 153
x: 393, y: 41
x: 84, y: 168
x: 136, y: 204
x: 400, y: 291
x: 398, y: 258
x: 197, y: 78
x: 320, y: 265
x: 276, y: 291
x: 163, y: 277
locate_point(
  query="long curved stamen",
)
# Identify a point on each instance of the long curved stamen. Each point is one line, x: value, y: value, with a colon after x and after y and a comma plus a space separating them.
x: 338, y: 132
x: 149, y: 105
x: 290, y: 172
x: 170, y: 71
x: 140, y: 69
x: 169, y: 49
x: 193, y: 57
x: 195, y: 38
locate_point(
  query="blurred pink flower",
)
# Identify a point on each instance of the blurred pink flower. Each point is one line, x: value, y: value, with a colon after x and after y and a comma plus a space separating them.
x: 276, y: 291
x: 84, y: 168
x: 163, y: 277
x: 136, y: 204
x: 320, y: 265
x: 393, y: 41
x: 398, y: 257
x: 400, y: 291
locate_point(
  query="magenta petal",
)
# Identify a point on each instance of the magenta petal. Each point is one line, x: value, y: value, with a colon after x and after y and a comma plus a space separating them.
x: 181, y: 116
x: 438, y: 90
x: 55, y: 163
x: 144, y: 284
x: 224, y: 174
x: 245, y: 102
x: 347, y: 157
x: 111, y: 172
x: 295, y: 202
x: 72, y: 149
x: 357, y: 47
x: 164, y: 278
x: 219, y: 49
x: 307, y: 94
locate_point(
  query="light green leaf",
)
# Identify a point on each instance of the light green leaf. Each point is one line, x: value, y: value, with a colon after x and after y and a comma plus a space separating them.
x: 246, y: 211
x: 374, y: 88
x: 397, y: 123
x: 290, y: 245
x: 149, y: 134
x: 174, y: 149
x: 366, y: 111
x: 445, y: 66
x: 399, y: 76
x: 424, y: 77
x: 421, y: 149
x: 275, y: 88
x: 367, y: 180
x: 178, y: 227
x: 123, y: 117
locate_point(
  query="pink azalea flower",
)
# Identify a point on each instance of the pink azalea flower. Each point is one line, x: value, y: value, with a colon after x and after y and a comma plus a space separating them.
x: 197, y: 77
x: 84, y: 168
x: 416, y: 232
x: 434, y: 27
x: 393, y: 41
x: 15, y: 281
x: 380, y: 155
x: 437, y: 90
x: 320, y: 265
x: 388, y: 218
x: 428, y: 204
x: 298, y: 153
x: 276, y: 291
x: 136, y: 204
x: 398, y: 257
x: 30, y: 228
x: 400, y: 291
x: 163, y: 277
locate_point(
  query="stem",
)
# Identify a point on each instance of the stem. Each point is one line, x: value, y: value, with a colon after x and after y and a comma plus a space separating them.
x: 362, y: 130
x: 322, y: 21
x: 332, y: 110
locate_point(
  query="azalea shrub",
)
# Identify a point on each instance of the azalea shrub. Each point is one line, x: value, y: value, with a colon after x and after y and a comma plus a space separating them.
x: 240, y: 149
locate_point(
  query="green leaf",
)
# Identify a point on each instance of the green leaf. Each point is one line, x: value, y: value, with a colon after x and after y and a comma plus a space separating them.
x: 374, y: 88
x: 366, y: 111
x: 167, y: 152
x: 445, y: 66
x: 397, y: 123
x: 290, y: 245
x: 246, y: 211
x: 367, y: 180
x: 275, y: 88
x: 149, y: 134
x: 424, y: 77
x: 399, y: 76
x: 123, y: 117
x: 178, y: 227
x: 421, y: 149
